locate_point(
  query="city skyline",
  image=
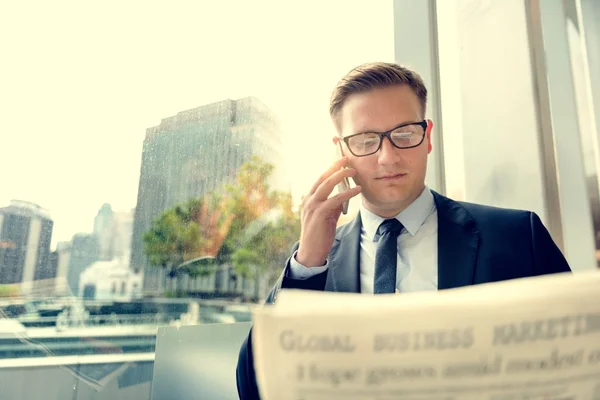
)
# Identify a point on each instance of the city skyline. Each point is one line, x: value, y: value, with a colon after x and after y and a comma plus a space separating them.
x: 75, y: 126
x: 68, y: 237
x: 64, y: 235
x: 56, y: 243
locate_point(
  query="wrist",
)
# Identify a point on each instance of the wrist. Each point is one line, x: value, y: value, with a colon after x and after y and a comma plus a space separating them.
x: 310, y: 262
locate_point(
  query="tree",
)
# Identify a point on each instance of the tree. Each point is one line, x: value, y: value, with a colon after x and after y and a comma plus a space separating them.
x: 265, y: 227
x: 264, y: 255
x: 245, y: 224
x: 188, y: 231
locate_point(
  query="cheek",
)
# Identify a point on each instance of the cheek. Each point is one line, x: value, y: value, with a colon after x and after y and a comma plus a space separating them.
x: 363, y: 167
x: 416, y: 160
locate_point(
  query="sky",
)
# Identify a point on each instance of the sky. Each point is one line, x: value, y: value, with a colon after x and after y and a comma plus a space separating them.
x: 81, y: 81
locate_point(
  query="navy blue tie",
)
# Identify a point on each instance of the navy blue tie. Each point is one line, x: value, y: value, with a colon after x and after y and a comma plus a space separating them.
x: 387, y: 256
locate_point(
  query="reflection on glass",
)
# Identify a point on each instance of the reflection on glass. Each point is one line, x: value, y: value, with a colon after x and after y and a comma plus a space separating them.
x: 156, y: 169
x: 206, y: 175
x: 588, y: 133
x: 497, y: 124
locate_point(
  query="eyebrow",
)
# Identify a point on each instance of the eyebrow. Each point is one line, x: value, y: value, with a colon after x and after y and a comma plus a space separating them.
x: 396, y: 127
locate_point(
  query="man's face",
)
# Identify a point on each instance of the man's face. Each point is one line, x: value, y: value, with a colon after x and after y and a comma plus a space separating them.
x: 392, y: 178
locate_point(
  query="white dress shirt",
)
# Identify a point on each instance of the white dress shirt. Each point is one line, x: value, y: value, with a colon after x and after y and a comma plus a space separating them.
x: 417, y: 248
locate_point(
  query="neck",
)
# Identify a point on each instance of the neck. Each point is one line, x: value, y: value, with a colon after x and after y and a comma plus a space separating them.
x: 391, y: 210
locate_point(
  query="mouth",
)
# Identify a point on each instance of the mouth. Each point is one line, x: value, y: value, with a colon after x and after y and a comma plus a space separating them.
x: 391, y: 177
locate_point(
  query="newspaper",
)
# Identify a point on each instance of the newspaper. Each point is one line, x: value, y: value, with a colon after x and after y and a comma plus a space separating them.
x: 533, y: 338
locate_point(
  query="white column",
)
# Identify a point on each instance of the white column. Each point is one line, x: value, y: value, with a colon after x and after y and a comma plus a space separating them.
x: 451, y: 98
x: 576, y: 217
x: 589, y: 13
x: 415, y: 47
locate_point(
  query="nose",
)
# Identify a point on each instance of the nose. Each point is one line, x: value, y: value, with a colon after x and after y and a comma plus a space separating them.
x: 388, y: 154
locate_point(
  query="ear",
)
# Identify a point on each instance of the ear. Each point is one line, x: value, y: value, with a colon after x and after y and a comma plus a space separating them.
x: 428, y: 135
x: 337, y: 142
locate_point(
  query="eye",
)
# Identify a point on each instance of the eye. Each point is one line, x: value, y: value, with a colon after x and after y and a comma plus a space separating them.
x: 364, y: 140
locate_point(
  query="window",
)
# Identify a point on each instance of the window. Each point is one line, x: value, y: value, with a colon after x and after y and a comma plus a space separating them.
x: 149, y: 145
x: 139, y: 110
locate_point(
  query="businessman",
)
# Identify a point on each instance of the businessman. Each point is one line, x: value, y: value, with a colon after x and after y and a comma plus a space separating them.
x: 406, y: 237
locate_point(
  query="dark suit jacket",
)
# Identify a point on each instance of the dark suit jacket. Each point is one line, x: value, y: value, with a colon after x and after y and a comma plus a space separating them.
x: 476, y: 244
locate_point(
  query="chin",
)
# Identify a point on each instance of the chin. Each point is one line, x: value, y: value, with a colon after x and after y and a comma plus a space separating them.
x: 393, y: 195
x: 388, y: 201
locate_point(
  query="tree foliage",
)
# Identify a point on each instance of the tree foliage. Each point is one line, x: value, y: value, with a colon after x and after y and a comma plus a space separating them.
x: 245, y: 224
x: 191, y: 230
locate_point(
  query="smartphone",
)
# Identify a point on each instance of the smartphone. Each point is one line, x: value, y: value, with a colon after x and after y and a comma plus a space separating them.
x: 345, y: 184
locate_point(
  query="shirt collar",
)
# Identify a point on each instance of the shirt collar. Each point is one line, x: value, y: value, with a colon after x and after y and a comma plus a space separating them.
x: 412, y: 217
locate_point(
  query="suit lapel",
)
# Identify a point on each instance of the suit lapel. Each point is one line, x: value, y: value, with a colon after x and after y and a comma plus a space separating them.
x: 344, y: 259
x: 458, y: 241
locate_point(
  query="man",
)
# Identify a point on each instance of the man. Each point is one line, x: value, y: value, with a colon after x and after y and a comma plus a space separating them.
x: 406, y: 237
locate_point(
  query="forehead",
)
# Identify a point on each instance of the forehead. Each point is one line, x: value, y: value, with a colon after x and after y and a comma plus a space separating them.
x: 379, y: 110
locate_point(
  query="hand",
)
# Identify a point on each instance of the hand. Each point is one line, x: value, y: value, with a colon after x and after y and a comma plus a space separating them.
x: 320, y: 213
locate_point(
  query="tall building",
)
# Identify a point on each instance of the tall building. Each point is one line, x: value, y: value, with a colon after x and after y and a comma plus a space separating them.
x: 104, y: 226
x: 84, y: 251
x: 113, y: 232
x: 25, y: 235
x: 196, y: 152
x: 122, y: 236
x: 63, y: 251
x: 62, y: 259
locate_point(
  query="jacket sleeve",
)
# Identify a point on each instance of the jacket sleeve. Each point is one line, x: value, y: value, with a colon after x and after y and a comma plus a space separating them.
x: 316, y: 282
x: 548, y: 258
x: 245, y: 373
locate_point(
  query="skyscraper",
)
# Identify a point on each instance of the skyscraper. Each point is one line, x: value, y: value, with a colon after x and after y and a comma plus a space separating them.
x: 113, y: 232
x: 122, y: 238
x: 84, y: 251
x: 63, y: 251
x: 195, y: 152
x: 104, y: 227
x: 25, y: 235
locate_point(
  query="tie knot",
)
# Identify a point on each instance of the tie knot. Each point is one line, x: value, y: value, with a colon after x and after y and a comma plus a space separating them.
x: 392, y: 226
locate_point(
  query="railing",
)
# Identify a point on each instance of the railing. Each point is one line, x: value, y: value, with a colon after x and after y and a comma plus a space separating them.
x: 82, y: 377
x: 101, y: 320
x: 31, y: 362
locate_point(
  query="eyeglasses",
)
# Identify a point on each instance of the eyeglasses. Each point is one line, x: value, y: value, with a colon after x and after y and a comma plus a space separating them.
x: 405, y: 136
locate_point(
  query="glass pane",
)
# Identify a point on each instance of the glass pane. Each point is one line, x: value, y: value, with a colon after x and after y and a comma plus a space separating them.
x: 154, y: 159
x: 494, y: 116
x: 583, y: 62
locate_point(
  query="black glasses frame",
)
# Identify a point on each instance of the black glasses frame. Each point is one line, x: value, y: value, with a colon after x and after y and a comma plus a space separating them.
x: 388, y: 134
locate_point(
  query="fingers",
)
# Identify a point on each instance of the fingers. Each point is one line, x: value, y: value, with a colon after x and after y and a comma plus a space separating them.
x: 336, y: 201
x: 336, y: 166
x: 319, y: 200
x: 327, y: 186
x: 312, y: 204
